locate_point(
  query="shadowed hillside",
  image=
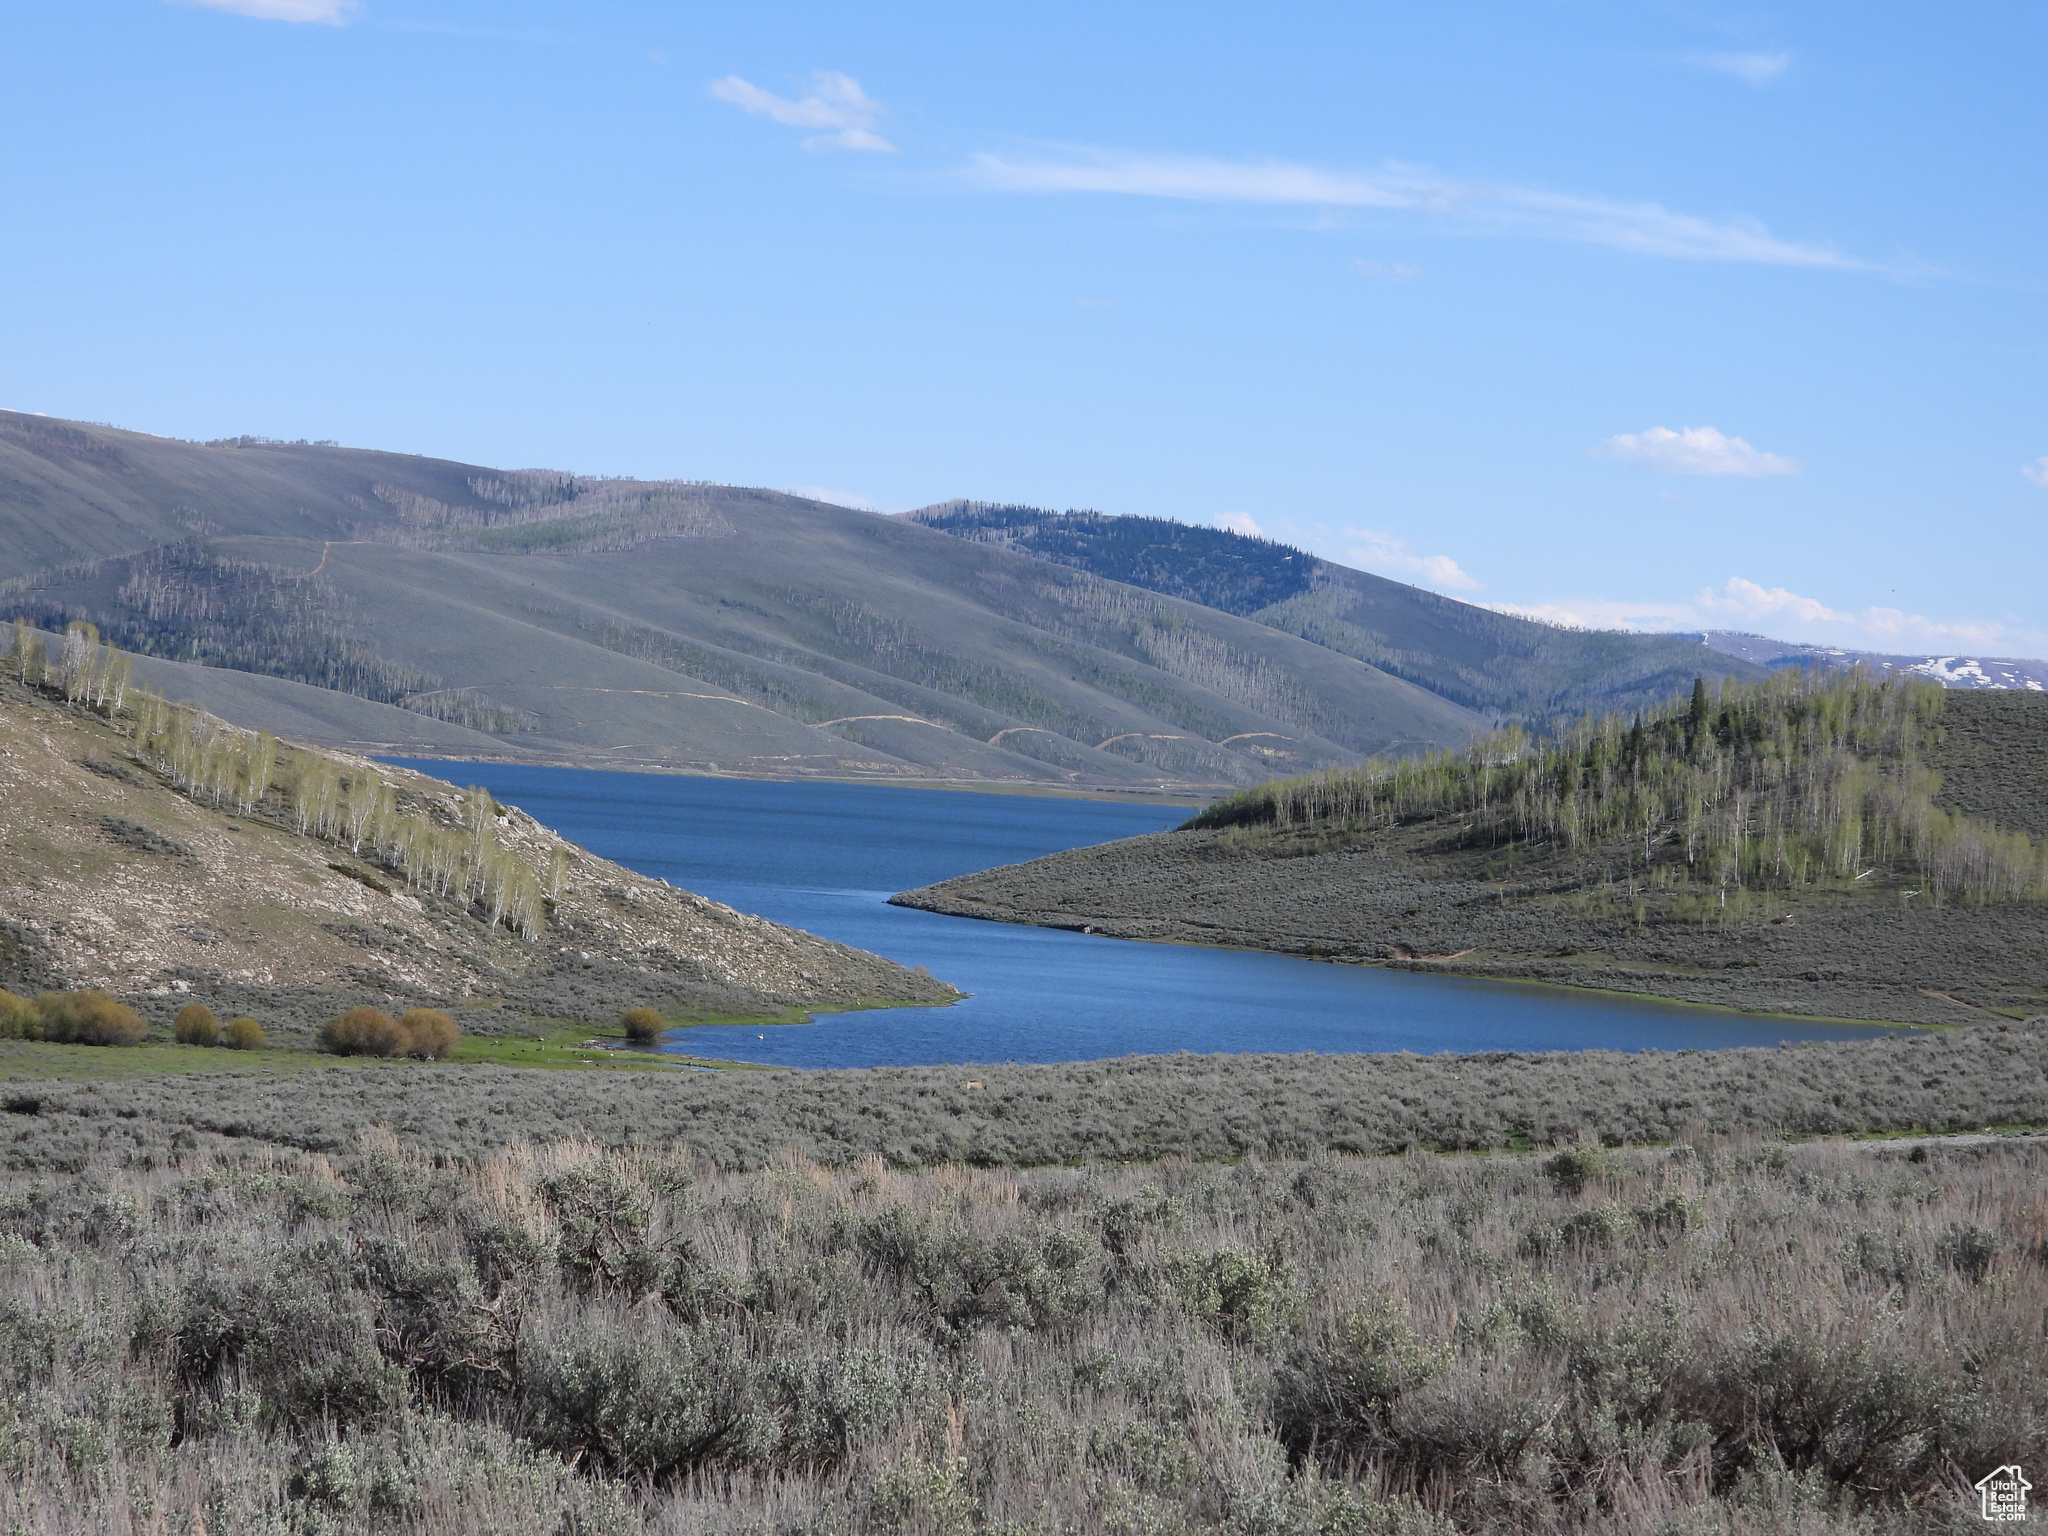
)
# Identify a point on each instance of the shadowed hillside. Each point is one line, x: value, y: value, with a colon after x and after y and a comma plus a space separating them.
x: 1502, y: 666
x: 669, y: 624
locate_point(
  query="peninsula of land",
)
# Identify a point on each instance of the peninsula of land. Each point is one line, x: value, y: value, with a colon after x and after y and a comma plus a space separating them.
x: 1773, y: 867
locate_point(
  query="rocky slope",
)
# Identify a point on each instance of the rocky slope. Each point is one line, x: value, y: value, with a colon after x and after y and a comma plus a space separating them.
x: 110, y: 877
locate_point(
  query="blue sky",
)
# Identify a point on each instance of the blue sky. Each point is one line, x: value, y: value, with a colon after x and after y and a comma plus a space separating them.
x: 1665, y: 314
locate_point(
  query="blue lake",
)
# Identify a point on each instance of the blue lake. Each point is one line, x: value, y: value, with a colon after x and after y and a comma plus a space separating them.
x: 826, y: 857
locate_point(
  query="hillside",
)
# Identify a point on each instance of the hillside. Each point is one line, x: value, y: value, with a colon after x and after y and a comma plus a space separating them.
x: 667, y: 624
x: 161, y: 856
x: 1852, y: 850
x: 1494, y: 663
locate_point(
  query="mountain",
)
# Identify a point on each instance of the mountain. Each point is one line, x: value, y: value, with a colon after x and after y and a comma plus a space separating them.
x: 669, y: 624
x: 145, y: 860
x: 1843, y: 849
x: 1950, y: 670
x: 1495, y: 664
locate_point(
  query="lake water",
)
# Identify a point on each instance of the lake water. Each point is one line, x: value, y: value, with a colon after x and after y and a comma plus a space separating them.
x: 826, y: 857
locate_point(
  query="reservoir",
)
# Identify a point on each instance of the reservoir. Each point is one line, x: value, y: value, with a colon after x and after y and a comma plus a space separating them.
x: 826, y: 857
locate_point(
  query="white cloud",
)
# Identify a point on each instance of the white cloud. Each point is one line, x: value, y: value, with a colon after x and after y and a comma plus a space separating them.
x: 1393, y: 272
x: 1644, y: 228
x: 1386, y: 555
x: 1742, y: 604
x: 837, y: 498
x: 2037, y: 472
x: 332, y: 13
x: 836, y: 102
x: 1749, y: 68
x: 1694, y: 451
x: 1240, y: 522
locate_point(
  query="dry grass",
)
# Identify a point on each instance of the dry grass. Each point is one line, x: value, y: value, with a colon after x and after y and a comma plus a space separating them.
x: 1712, y: 1337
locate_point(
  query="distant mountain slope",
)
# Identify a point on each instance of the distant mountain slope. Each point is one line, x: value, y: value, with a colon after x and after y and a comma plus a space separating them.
x: 74, y: 491
x: 1952, y: 670
x: 320, y: 717
x: 669, y: 623
x: 1493, y: 663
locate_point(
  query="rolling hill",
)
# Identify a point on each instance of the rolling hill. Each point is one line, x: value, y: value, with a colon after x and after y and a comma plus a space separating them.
x: 551, y: 617
x: 1837, y: 848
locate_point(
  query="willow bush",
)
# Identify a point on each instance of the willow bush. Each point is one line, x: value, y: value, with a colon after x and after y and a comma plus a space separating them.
x: 1793, y: 781
x: 70, y: 1018
x: 196, y: 1024
x: 644, y: 1026
x: 88, y: 1017
x: 244, y: 1034
x: 425, y: 1033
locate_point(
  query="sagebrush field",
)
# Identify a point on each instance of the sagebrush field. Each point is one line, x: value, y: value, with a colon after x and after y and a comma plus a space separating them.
x: 1705, y: 1337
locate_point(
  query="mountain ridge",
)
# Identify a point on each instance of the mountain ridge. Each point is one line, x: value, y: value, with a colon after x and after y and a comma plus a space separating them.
x: 1952, y: 669
x: 1497, y: 664
x: 708, y: 628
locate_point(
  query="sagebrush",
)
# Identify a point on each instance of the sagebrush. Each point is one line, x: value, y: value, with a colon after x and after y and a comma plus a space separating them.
x: 1707, y: 1337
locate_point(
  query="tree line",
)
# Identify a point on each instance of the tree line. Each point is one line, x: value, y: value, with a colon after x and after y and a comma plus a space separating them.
x: 183, y: 603
x: 451, y: 852
x: 1793, y: 781
x: 85, y: 669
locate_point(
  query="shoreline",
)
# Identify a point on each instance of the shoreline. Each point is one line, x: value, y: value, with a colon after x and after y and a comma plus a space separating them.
x: 1415, y: 968
x: 1192, y: 797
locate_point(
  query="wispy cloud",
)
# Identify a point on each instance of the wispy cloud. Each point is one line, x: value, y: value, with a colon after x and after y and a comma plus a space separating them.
x: 1754, y: 69
x: 836, y: 103
x: 1392, y: 271
x: 1364, y: 549
x: 331, y: 13
x: 2037, y: 472
x: 1644, y: 228
x: 1694, y: 451
x: 1742, y: 604
x: 834, y: 497
x: 1384, y: 554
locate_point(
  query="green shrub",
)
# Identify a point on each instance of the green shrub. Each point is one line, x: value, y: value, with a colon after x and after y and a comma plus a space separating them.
x: 645, y: 1401
x: 364, y: 1032
x: 17, y: 1017
x: 1335, y: 1394
x: 88, y: 1017
x: 1572, y: 1169
x: 644, y: 1026
x: 245, y: 1034
x: 431, y: 1034
x: 197, y: 1024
